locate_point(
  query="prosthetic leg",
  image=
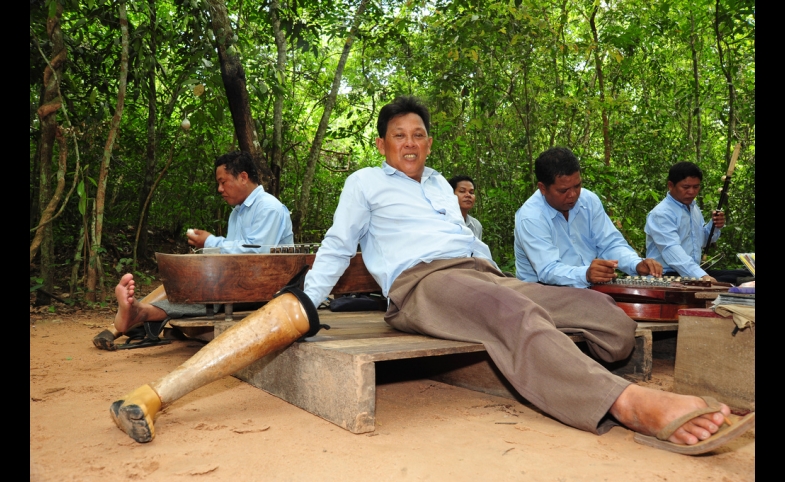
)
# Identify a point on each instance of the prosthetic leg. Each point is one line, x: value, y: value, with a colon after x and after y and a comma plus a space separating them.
x: 105, y: 339
x: 282, y: 321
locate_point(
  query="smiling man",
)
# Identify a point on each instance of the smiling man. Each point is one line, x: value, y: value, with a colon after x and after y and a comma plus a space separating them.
x: 562, y: 234
x: 676, y: 233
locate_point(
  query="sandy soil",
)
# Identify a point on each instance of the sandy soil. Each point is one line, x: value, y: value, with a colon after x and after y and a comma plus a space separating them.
x: 229, y: 430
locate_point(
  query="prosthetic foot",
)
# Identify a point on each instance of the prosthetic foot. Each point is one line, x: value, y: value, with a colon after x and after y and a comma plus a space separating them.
x: 278, y: 324
x: 134, y: 413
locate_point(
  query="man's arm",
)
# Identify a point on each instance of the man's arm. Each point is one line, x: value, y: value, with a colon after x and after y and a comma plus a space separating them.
x: 350, y: 223
x: 261, y: 226
x: 718, y: 220
x: 540, y: 247
x: 610, y: 243
x: 663, y: 229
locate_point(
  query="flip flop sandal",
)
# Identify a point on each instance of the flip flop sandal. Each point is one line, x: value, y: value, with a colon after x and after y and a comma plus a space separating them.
x: 104, y: 341
x: 147, y: 337
x: 725, y: 434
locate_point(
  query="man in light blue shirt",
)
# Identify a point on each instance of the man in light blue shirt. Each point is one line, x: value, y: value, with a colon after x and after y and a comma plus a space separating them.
x: 440, y: 281
x: 257, y: 222
x: 563, y: 235
x: 676, y: 233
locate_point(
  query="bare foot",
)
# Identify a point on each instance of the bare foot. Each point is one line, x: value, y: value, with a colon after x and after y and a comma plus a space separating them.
x: 131, y: 313
x: 134, y: 413
x: 647, y: 411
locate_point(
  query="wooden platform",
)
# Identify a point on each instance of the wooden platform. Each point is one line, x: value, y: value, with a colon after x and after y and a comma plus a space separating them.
x: 333, y: 375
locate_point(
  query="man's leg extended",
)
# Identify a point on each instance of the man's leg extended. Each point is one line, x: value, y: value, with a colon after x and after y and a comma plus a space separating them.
x: 274, y: 326
x: 130, y: 312
x: 454, y: 300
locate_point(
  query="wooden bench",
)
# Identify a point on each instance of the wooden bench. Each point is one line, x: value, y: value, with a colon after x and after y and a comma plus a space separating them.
x: 333, y: 374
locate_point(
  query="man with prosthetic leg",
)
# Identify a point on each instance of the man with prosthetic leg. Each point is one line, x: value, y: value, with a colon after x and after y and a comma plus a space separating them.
x: 287, y: 318
x: 442, y: 282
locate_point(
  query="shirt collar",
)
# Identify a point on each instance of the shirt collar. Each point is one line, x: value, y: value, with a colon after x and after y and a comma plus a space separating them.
x: 255, y: 194
x: 426, y: 173
x: 679, y: 203
x: 553, y: 212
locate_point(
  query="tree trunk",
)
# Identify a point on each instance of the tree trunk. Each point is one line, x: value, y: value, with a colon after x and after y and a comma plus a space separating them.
x: 606, y: 140
x: 697, y: 110
x: 276, y: 165
x: 94, y: 269
x: 233, y: 77
x: 149, y: 172
x: 48, y: 212
x: 313, y: 155
x: 47, y: 111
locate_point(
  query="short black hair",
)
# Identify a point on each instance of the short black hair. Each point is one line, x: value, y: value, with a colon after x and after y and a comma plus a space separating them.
x: 237, y: 162
x: 403, y: 104
x: 456, y: 179
x: 555, y: 162
x: 683, y: 170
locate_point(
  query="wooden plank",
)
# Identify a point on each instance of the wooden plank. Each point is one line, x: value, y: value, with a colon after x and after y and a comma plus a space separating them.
x: 711, y: 360
x: 334, y: 376
x: 657, y: 326
x: 335, y: 386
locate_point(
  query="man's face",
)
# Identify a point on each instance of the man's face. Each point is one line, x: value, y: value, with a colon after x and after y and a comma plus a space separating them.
x: 233, y: 189
x: 563, y: 193
x: 406, y: 145
x: 686, y: 190
x: 465, y: 192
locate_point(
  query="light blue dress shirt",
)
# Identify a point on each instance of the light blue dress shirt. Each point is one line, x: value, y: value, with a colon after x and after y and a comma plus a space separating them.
x: 675, y: 235
x: 556, y: 251
x: 259, y: 220
x: 398, y: 223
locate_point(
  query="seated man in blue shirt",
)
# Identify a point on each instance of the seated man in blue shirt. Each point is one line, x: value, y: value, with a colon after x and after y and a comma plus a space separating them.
x: 441, y: 281
x: 676, y: 233
x: 562, y: 234
x: 258, y: 220
x: 463, y: 187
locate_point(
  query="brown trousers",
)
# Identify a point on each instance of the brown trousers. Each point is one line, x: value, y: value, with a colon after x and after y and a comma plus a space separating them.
x: 523, y: 326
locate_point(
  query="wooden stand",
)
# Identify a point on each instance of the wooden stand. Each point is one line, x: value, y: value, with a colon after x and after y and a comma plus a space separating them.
x: 333, y: 375
x: 711, y: 360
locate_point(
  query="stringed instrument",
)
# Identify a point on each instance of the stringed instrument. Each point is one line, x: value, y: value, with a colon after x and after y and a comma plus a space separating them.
x: 645, y: 298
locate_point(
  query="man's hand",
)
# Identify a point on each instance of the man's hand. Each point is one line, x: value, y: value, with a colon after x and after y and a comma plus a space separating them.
x: 708, y: 278
x: 198, y: 237
x: 649, y: 267
x: 718, y: 218
x: 601, y: 271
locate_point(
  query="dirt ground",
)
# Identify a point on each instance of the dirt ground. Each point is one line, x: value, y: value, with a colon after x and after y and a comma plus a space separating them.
x: 229, y: 430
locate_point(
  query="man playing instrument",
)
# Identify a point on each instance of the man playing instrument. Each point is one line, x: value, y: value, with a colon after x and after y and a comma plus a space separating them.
x: 676, y: 232
x: 440, y: 281
x: 562, y: 234
x: 257, y: 221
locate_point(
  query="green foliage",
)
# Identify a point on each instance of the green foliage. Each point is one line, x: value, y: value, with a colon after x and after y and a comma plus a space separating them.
x: 504, y: 80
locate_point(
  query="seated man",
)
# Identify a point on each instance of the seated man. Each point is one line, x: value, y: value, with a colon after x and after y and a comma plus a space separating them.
x: 258, y: 220
x: 463, y: 187
x: 562, y: 234
x: 676, y: 233
x: 441, y: 282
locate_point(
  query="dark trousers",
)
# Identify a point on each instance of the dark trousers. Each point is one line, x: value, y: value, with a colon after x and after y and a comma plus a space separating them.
x: 523, y: 326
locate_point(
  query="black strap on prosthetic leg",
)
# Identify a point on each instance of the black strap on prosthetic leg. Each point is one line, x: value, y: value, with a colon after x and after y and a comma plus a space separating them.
x: 295, y: 287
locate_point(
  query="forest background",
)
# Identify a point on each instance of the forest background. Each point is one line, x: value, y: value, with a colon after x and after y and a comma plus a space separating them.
x: 630, y: 86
